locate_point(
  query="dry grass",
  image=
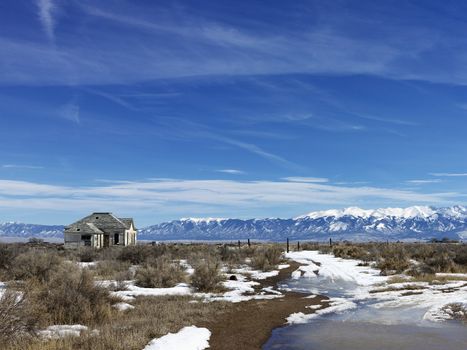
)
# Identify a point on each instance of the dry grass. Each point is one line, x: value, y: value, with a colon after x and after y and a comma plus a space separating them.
x: 395, y: 257
x: 34, y: 264
x: 132, y: 330
x: 61, y: 293
x: 71, y: 296
x: 266, y: 258
x: 113, y: 269
x: 207, y: 275
x: 457, y: 311
x: 394, y: 289
x: 17, y: 322
x: 161, y: 273
x: 140, y: 254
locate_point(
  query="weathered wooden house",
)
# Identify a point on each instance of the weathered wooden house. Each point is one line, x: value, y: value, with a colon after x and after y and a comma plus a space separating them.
x: 100, y: 230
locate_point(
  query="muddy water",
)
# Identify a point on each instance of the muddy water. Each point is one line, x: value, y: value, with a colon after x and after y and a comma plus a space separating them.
x: 365, y: 328
x: 329, y: 333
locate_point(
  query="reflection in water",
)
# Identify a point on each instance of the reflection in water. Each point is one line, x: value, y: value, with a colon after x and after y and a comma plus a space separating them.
x: 338, y: 334
x: 365, y: 328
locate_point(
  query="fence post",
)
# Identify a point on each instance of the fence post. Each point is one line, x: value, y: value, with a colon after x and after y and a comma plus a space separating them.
x: 330, y: 242
x: 249, y: 245
x: 287, y: 244
x: 298, y: 245
x: 238, y: 244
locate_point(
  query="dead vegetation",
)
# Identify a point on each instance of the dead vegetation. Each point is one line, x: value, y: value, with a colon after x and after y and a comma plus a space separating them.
x: 414, y: 259
x: 51, y: 288
x: 456, y: 311
x: 17, y: 323
x: 160, y: 273
x: 132, y: 330
x: 207, y: 275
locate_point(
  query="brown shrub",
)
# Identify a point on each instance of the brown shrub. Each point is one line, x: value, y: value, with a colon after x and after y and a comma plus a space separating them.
x: 207, y: 275
x: 393, y: 259
x: 6, y: 256
x: 113, y: 269
x: 161, y: 273
x: 442, y: 262
x: 140, y: 254
x: 151, y: 318
x: 71, y: 296
x: 266, y: 258
x: 35, y: 264
x: 87, y: 254
x: 457, y: 311
x: 350, y: 252
x: 16, y: 320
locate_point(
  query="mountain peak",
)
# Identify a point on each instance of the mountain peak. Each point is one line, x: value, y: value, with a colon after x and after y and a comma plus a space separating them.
x: 205, y: 220
x: 409, y: 212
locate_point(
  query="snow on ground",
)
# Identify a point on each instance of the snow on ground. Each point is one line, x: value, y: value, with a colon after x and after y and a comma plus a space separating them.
x: 62, y: 331
x: 123, y: 306
x: 257, y: 274
x: 447, y: 312
x: 188, y: 268
x: 336, y: 305
x: 188, y: 338
x: 364, y: 284
x: 134, y: 291
x: 239, y: 289
x: 2, y: 288
x: 455, y: 275
x: 87, y: 265
x: 432, y: 298
x: 335, y: 269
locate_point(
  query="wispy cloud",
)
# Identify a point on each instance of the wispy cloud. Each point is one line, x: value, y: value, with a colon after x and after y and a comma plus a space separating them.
x: 386, y: 120
x: 111, y: 97
x: 222, y: 48
x: 231, y: 171
x: 252, y: 148
x: 46, y: 10
x: 21, y: 166
x: 424, y: 181
x: 305, y: 179
x: 184, y: 197
x: 70, y: 111
x: 180, y: 128
x: 449, y: 174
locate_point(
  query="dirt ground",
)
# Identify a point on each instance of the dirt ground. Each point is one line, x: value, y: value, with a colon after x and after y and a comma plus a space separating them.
x: 248, y: 325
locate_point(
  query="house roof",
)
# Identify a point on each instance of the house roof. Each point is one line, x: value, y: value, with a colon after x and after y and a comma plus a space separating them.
x: 100, y: 222
x: 128, y: 222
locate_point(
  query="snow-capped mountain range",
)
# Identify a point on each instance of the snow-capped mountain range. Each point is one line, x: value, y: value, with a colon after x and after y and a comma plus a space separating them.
x: 413, y: 223
x: 17, y: 229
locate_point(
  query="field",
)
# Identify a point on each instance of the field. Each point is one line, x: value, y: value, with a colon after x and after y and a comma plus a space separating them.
x: 123, y: 297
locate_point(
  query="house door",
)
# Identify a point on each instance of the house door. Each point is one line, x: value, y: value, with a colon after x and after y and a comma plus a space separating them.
x: 106, y: 240
x: 116, y: 238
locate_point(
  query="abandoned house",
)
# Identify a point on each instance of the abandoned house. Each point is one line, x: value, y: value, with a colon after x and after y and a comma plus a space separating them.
x: 100, y: 230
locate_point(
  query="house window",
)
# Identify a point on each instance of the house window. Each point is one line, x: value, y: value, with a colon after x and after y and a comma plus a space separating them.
x: 86, y: 239
x: 116, y: 238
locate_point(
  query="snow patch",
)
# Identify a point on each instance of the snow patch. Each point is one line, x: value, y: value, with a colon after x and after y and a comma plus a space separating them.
x: 134, y: 291
x: 123, y: 306
x: 62, y: 331
x: 336, y: 305
x: 188, y: 338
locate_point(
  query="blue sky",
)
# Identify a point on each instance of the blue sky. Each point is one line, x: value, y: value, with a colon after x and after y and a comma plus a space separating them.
x: 161, y: 110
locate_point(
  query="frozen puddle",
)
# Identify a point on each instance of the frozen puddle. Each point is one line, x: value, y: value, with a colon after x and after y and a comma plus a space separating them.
x: 359, y: 318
